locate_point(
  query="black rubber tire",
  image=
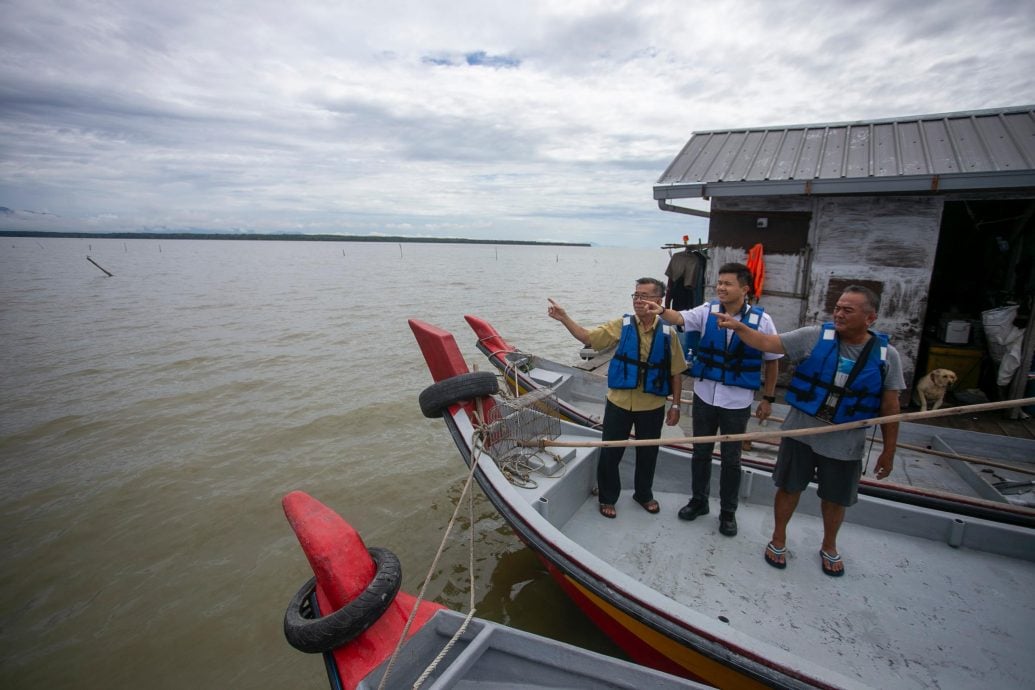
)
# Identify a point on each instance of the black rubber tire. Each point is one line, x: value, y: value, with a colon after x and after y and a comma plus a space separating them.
x: 315, y: 635
x: 439, y: 396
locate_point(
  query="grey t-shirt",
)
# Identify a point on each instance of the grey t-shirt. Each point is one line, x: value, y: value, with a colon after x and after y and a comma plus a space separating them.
x: 841, y: 445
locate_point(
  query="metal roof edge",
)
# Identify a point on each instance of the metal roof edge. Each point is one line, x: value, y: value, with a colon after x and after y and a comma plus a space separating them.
x: 922, y: 184
x: 1006, y: 110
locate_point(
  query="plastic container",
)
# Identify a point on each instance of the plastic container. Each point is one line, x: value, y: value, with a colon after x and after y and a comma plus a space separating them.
x: 1029, y: 392
x: 955, y: 332
x: 965, y: 361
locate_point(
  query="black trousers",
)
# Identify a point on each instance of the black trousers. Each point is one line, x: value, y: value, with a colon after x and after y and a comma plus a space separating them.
x: 709, y: 420
x: 618, y: 424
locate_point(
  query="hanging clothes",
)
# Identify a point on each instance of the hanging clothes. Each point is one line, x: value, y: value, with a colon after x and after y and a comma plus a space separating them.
x: 685, y: 271
x: 756, y: 264
x: 702, y: 257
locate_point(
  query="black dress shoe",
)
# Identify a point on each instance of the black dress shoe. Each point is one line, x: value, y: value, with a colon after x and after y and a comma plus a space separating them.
x: 727, y: 523
x: 692, y: 509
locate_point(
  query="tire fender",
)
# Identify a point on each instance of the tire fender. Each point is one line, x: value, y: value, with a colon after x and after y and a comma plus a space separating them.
x: 439, y: 396
x: 315, y: 635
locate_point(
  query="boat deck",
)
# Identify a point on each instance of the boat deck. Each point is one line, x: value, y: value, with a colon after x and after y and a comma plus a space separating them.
x: 912, y: 611
x: 909, y: 613
x: 489, y: 656
x: 930, y: 598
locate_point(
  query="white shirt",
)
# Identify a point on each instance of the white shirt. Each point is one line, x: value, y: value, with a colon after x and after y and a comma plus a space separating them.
x: 714, y: 392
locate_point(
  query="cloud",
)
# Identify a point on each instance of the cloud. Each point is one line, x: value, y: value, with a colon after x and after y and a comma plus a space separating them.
x: 492, y: 119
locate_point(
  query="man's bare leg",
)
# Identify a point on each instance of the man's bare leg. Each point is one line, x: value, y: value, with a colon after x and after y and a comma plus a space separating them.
x: 833, y: 516
x: 784, y: 505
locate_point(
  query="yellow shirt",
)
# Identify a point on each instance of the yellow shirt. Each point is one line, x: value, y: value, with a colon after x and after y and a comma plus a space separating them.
x: 636, y: 399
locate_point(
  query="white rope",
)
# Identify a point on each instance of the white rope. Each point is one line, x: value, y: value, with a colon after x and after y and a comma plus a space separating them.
x: 475, y: 452
x: 470, y: 570
x: 508, y: 366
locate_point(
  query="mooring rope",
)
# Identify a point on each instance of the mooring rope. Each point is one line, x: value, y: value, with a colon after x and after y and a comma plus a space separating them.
x: 508, y: 366
x: 475, y: 453
x: 470, y: 570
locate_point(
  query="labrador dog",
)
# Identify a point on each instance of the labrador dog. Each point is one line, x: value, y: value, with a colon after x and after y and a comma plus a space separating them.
x: 930, y: 392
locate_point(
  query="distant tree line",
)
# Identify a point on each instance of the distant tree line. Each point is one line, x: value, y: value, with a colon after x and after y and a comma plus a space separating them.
x: 273, y: 236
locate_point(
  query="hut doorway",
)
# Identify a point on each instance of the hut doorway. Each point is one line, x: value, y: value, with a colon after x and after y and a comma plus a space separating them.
x: 984, y: 261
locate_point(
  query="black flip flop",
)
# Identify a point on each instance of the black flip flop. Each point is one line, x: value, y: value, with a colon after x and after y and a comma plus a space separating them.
x: 828, y: 561
x: 776, y: 552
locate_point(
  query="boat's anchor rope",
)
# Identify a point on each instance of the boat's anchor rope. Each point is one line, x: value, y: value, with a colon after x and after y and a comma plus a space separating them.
x: 475, y: 453
x: 470, y: 570
x: 512, y: 377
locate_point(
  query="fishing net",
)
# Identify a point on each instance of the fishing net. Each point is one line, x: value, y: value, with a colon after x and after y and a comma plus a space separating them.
x: 511, y: 433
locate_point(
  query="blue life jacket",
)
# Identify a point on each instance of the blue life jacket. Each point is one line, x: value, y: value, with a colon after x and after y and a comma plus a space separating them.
x: 624, y: 370
x: 736, y: 364
x: 860, y: 396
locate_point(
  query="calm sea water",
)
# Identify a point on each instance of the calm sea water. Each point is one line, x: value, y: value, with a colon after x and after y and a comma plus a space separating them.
x: 151, y: 422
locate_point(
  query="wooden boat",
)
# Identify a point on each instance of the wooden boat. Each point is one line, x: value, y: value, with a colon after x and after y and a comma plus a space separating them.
x: 927, y: 474
x: 930, y: 598
x: 361, y: 587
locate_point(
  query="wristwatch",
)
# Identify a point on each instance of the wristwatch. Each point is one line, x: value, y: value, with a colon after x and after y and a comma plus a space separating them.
x: 769, y: 398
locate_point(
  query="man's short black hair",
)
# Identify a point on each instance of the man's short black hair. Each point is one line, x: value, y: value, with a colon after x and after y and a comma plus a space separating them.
x: 744, y: 276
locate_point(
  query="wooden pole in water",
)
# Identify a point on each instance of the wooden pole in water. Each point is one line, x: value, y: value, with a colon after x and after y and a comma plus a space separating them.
x: 110, y: 274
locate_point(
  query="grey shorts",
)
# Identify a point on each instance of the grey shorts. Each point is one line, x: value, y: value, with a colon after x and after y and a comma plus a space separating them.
x: 797, y: 465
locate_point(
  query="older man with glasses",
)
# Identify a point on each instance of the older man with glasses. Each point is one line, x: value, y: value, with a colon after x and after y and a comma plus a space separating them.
x: 645, y: 370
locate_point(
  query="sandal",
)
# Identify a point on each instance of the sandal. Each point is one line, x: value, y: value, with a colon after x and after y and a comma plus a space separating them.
x: 651, y: 506
x: 608, y: 510
x: 828, y: 562
x: 777, y: 553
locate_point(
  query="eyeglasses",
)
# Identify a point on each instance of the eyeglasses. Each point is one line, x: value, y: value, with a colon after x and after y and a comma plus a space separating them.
x: 641, y: 296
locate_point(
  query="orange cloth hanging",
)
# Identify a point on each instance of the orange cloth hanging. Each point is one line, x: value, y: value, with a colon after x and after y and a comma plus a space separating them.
x: 756, y: 264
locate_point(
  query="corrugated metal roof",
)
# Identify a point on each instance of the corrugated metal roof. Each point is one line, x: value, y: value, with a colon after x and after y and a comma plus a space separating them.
x: 979, y: 149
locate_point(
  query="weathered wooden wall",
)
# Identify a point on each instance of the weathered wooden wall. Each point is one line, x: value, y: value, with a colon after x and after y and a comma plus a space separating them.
x: 884, y: 242
x: 890, y: 240
x: 785, y: 264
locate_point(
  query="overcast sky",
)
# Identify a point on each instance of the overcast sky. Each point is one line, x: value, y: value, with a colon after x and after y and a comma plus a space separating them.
x: 495, y: 120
